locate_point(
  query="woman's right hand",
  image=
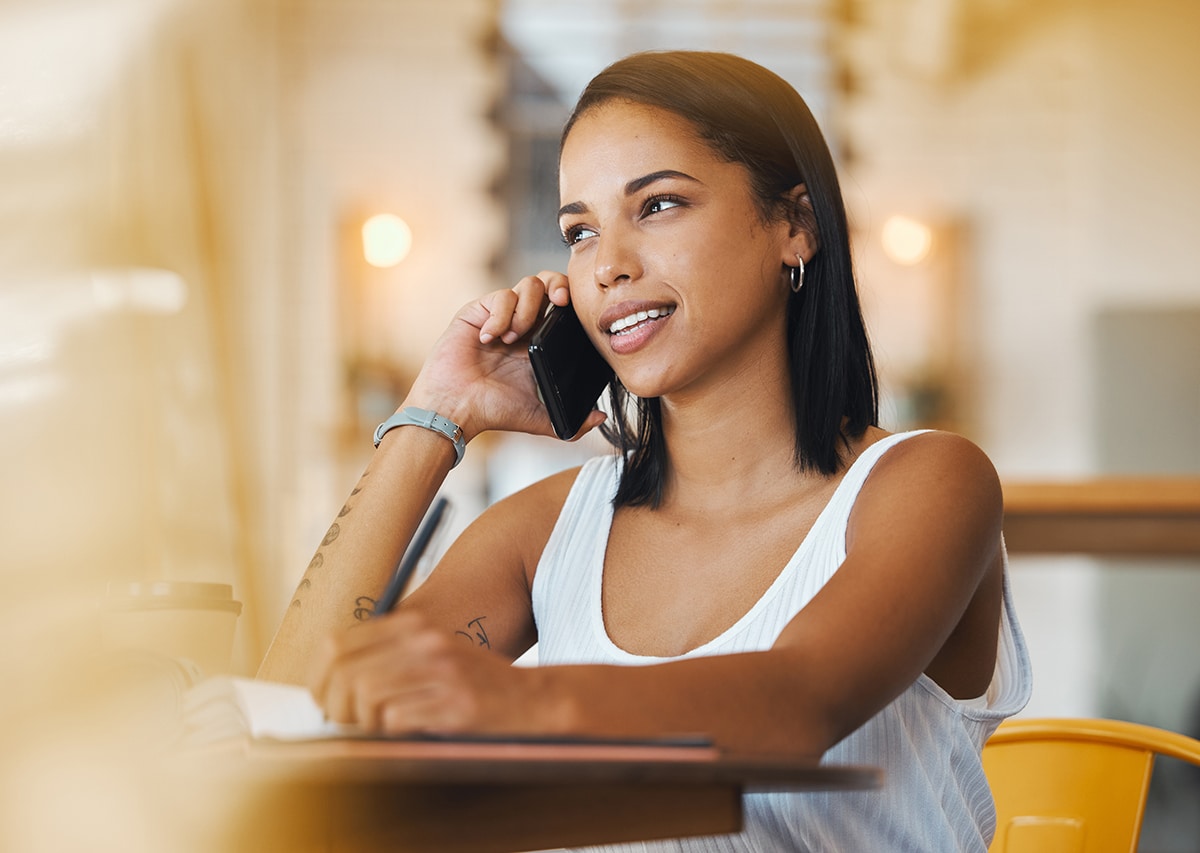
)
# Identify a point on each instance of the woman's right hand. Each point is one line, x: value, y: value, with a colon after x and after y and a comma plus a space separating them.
x: 478, y: 373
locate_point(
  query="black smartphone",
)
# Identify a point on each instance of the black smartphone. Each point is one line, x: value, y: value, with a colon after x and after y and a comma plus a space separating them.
x: 570, y: 373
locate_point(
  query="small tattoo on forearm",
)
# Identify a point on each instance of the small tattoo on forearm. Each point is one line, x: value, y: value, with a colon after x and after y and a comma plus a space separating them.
x: 304, y: 584
x: 477, y: 634
x: 364, y: 608
x: 344, y: 510
x: 317, y: 561
x: 334, y: 530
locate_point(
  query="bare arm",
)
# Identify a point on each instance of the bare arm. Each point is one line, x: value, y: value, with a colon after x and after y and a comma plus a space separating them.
x: 361, y: 548
x: 482, y: 588
x: 919, y: 591
x: 479, y: 377
x: 922, y: 564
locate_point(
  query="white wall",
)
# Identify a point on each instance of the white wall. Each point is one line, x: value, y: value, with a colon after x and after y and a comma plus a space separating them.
x: 1059, y: 139
x: 194, y: 424
x: 384, y: 110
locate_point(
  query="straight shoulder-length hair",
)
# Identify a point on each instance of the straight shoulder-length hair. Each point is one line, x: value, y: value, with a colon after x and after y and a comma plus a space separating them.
x: 750, y: 115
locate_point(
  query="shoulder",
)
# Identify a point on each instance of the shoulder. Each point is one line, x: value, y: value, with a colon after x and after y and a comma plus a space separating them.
x: 537, y: 504
x: 937, y: 476
x: 525, y: 519
x: 932, y: 451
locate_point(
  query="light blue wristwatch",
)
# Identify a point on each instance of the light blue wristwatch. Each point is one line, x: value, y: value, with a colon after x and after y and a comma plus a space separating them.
x: 412, y: 416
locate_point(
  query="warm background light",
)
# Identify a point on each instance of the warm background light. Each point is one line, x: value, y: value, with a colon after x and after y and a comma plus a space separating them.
x: 386, y: 240
x: 906, y: 240
x: 185, y: 184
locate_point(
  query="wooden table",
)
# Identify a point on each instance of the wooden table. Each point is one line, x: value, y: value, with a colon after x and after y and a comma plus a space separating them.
x: 1104, y: 516
x: 374, y: 795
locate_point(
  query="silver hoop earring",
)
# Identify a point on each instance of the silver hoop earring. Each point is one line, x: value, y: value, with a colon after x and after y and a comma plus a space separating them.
x: 797, y: 274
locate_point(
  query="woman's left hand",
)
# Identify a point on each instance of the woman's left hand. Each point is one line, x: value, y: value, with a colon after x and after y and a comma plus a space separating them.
x: 400, y: 674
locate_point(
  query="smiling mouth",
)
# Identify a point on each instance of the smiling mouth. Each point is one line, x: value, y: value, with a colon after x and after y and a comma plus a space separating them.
x: 628, y: 323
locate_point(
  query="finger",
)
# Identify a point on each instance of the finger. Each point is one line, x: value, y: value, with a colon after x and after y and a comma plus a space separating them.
x: 407, y: 713
x: 357, y: 687
x: 557, y: 286
x: 530, y: 307
x: 324, y: 664
x: 532, y: 286
x: 444, y: 705
x: 408, y: 656
x: 376, y: 703
x: 339, y: 651
x: 366, y: 693
x: 500, y: 305
x: 594, y: 419
x: 337, y: 697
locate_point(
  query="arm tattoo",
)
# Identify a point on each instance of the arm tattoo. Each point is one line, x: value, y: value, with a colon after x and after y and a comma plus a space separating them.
x: 305, y: 583
x: 477, y: 634
x: 364, y: 608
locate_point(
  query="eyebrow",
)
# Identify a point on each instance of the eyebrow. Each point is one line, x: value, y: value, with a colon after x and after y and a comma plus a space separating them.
x: 634, y: 186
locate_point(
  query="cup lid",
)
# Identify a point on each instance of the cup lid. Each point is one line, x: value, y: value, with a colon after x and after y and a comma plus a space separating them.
x: 139, y: 595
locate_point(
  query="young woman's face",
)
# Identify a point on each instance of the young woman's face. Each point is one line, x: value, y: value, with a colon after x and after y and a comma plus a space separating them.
x: 673, y: 272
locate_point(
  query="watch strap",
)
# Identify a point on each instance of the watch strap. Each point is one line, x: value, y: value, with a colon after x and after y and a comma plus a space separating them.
x: 413, y: 416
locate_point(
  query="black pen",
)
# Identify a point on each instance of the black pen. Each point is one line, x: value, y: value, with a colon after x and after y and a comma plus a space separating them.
x: 408, y: 563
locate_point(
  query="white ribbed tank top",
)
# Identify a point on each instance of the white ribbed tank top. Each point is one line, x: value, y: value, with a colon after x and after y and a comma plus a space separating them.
x: 935, y: 797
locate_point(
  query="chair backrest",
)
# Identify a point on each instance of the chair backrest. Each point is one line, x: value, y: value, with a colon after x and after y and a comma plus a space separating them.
x: 1074, y: 785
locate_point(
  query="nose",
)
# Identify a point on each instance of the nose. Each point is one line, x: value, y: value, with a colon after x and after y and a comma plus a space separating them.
x: 617, y: 259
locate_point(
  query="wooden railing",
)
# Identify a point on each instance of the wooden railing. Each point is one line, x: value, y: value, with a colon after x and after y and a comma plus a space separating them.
x: 1113, y: 516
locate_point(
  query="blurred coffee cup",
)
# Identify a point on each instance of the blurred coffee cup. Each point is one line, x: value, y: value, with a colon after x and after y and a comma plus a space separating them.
x: 185, y: 621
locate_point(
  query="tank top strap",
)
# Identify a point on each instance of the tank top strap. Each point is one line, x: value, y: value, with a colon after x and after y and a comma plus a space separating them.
x: 847, y: 491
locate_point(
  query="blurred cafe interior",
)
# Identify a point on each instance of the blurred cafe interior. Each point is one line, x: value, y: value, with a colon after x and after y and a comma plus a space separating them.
x: 230, y: 229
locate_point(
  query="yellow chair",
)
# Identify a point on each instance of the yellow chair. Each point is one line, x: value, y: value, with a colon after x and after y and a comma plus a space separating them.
x: 1074, y: 785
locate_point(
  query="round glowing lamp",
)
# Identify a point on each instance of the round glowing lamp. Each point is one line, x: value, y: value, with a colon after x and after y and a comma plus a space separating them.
x: 387, y: 240
x: 906, y: 241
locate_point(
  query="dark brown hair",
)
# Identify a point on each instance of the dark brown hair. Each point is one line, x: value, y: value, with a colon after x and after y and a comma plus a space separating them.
x: 751, y: 116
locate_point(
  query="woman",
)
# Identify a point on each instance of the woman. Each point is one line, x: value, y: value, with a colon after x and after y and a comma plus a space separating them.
x: 761, y: 562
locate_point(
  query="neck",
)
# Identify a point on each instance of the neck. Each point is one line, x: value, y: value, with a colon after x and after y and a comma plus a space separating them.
x: 731, y: 442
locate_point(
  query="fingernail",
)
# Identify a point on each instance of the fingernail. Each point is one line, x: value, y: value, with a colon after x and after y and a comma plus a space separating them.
x: 486, y: 337
x: 509, y: 337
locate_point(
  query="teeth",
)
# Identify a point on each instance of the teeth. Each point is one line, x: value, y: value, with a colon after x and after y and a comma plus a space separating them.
x: 639, y: 317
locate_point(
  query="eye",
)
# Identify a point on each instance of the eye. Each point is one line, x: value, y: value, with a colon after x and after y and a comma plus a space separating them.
x: 659, y: 203
x: 575, y: 233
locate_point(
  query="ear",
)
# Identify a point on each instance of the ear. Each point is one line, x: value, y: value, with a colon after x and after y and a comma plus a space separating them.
x: 803, y: 238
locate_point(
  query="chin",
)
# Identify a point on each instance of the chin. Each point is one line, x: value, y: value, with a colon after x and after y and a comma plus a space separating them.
x: 644, y: 389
